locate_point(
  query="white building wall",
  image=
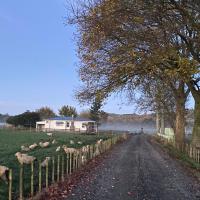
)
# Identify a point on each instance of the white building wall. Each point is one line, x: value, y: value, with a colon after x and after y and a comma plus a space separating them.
x: 79, y: 125
x: 57, y: 124
x: 62, y: 125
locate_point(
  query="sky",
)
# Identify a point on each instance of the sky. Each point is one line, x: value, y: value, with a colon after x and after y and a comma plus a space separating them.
x: 38, y: 58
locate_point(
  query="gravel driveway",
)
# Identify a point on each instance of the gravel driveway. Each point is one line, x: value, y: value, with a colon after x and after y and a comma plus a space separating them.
x: 137, y: 170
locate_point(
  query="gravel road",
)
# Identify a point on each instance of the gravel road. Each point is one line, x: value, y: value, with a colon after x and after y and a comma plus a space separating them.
x: 137, y: 170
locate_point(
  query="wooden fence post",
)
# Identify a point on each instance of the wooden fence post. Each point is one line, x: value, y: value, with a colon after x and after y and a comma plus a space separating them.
x: 40, y: 176
x: 62, y: 167
x: 47, y: 175
x: 10, y: 185
x: 67, y: 164
x: 70, y: 163
x: 21, y: 182
x: 58, y: 169
x: 53, y: 170
x: 77, y: 156
x: 32, y: 179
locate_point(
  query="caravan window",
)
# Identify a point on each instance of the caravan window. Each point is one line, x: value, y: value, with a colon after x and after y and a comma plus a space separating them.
x: 59, y: 123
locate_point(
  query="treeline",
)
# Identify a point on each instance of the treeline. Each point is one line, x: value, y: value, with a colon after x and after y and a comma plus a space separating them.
x: 147, y: 50
x: 29, y: 119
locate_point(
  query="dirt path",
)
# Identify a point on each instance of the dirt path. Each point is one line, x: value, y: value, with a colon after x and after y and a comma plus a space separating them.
x: 137, y: 170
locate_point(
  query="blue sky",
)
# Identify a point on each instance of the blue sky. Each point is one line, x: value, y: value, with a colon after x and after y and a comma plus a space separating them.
x: 38, y: 57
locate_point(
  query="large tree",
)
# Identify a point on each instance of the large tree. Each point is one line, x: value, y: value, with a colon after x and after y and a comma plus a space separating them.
x: 122, y: 41
x: 95, y: 109
x: 85, y: 114
x: 164, y: 94
x: 179, y: 22
x: 46, y: 112
x: 68, y: 111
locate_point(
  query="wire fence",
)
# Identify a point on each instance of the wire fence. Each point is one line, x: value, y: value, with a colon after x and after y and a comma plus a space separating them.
x: 36, y: 176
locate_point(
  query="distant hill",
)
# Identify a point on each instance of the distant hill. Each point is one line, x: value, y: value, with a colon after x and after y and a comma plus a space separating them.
x: 144, y: 118
x: 147, y: 118
x: 129, y: 122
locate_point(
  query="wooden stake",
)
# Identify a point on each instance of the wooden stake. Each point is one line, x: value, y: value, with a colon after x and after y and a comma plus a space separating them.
x: 47, y: 175
x: 62, y: 167
x: 32, y: 179
x: 70, y: 163
x: 53, y: 170
x: 58, y: 169
x: 67, y: 164
x: 40, y: 176
x: 74, y: 162
x: 21, y: 183
x: 10, y: 185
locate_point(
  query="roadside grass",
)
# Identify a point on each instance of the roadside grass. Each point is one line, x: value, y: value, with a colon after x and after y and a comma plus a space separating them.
x: 182, y: 156
x: 11, y: 141
x: 173, y: 152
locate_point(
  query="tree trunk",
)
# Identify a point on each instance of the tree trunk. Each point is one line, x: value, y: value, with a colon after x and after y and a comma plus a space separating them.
x: 196, y: 127
x: 157, y: 121
x: 180, y: 122
x: 180, y: 115
x: 162, y: 128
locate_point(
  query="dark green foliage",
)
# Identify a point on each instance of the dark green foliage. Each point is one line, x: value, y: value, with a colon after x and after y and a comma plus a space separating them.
x: 27, y: 119
x: 68, y: 111
x: 95, y: 110
x: 46, y: 112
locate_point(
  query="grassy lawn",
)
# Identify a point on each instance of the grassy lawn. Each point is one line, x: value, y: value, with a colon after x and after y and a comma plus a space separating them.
x: 11, y: 141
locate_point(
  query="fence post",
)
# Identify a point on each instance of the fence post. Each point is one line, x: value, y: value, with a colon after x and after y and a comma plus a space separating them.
x: 53, y: 170
x: 40, y: 176
x: 10, y: 185
x: 62, y: 167
x: 77, y: 156
x: 58, y: 169
x: 79, y: 159
x: 47, y: 175
x: 75, y: 161
x: 67, y: 164
x: 32, y: 179
x: 21, y: 182
x: 70, y: 163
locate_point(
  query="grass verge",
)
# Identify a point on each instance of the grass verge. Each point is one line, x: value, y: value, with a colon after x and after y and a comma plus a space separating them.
x: 181, y: 156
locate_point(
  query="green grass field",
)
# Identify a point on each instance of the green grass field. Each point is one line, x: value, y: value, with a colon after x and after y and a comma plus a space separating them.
x: 11, y: 141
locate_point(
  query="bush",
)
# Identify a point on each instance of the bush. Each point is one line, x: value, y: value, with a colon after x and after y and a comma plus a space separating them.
x: 27, y: 119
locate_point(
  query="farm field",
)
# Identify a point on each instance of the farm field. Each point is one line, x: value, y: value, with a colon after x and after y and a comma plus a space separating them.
x: 11, y: 141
